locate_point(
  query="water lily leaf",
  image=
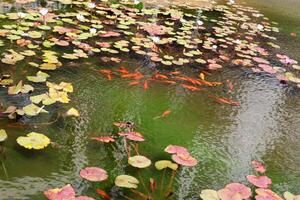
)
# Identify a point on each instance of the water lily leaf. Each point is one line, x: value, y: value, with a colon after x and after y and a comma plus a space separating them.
x: 134, y: 136
x: 73, y: 112
x: 39, y: 78
x: 105, y: 139
x: 290, y: 196
x: 66, y: 192
x: 259, y: 181
x: 34, y: 140
x: 259, y: 167
x: 209, y: 194
x: 266, y: 194
x: 3, y: 135
x: 94, y: 174
x: 12, y: 58
x: 139, y: 161
x: 126, y: 181
x: 174, y: 149
x: 33, y: 110
x: 162, y: 164
x: 34, y: 34
x: 185, y: 160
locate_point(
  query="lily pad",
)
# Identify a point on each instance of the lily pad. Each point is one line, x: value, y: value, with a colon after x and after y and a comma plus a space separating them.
x: 126, y: 181
x: 94, y: 174
x: 139, y: 161
x: 34, y: 140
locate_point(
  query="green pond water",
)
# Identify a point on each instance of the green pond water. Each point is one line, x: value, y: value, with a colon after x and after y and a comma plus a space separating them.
x: 223, y: 138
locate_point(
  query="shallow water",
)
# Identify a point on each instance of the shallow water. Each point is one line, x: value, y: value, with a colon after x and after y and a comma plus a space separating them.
x: 223, y: 138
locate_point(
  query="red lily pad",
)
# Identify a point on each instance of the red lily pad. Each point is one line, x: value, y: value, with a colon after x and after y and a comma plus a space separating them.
x: 134, y: 136
x: 184, y: 160
x: 66, y: 192
x: 105, y: 139
x: 241, y: 189
x: 94, y: 174
x: 258, y: 166
x: 174, y: 149
x: 259, y: 181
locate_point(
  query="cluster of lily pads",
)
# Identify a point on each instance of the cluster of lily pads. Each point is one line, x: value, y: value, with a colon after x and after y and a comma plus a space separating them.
x: 238, y: 191
x: 180, y: 158
x: 260, y: 182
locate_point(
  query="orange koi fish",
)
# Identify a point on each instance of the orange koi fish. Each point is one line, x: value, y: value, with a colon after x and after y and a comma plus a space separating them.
x: 103, y: 194
x: 190, y: 87
x: 146, y: 85
x: 123, y: 70
x: 175, y: 73
x: 106, y: 72
x: 225, y: 101
x: 230, y: 86
x: 133, y: 83
x: 164, y: 114
x: 160, y: 76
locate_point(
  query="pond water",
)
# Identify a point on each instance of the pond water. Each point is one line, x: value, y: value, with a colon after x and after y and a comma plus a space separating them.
x: 225, y: 139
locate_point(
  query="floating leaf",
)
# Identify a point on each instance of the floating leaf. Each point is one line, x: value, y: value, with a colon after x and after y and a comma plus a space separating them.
x: 139, y: 161
x: 94, y: 174
x: 73, y: 112
x: 290, y: 196
x: 259, y: 181
x: 67, y: 192
x: 209, y: 195
x: 184, y: 159
x: 33, y: 110
x: 126, y: 181
x: 34, y: 140
x: 162, y: 164
x: 3, y: 135
x: 39, y: 78
x: 174, y: 149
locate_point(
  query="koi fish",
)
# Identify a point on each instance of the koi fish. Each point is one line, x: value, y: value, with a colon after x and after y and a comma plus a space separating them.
x: 230, y: 86
x: 164, y: 114
x: 133, y: 75
x: 123, y: 70
x: 103, y: 194
x: 160, y: 76
x: 166, y: 81
x: 225, y: 101
x: 146, y: 85
x: 133, y: 83
x: 106, y: 72
x: 175, y: 73
x: 190, y: 87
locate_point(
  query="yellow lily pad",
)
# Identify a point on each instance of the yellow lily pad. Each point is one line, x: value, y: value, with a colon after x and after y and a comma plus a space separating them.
x: 126, y: 181
x: 34, y: 140
x: 3, y: 135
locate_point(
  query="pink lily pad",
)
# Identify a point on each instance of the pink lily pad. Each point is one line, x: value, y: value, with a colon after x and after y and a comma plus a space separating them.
x: 261, y: 60
x: 267, y: 68
x: 258, y: 166
x: 259, y: 181
x: 185, y: 160
x: 226, y: 194
x: 105, y: 139
x: 134, y: 136
x: 66, y: 192
x: 94, y: 174
x: 244, y: 191
x: 176, y: 149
